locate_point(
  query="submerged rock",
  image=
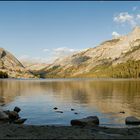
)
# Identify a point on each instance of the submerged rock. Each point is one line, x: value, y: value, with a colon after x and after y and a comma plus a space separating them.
x: 72, y: 109
x: 75, y: 113
x: 19, y: 121
x: 91, y: 120
x: 59, y: 111
x: 132, y: 120
x: 17, y: 109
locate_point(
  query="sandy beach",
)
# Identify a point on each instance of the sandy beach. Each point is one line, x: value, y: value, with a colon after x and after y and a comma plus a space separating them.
x: 12, y: 131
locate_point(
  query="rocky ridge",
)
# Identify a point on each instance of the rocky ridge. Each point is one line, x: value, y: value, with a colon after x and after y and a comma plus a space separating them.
x: 10, y: 65
x: 108, y: 53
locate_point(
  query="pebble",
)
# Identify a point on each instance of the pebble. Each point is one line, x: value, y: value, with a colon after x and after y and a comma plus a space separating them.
x: 55, y: 108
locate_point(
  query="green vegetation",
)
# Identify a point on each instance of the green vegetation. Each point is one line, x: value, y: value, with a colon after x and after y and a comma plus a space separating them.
x: 51, y: 73
x: 3, y: 74
x: 130, y: 69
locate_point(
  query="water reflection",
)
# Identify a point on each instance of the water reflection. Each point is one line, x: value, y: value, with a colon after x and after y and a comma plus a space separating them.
x: 105, y: 96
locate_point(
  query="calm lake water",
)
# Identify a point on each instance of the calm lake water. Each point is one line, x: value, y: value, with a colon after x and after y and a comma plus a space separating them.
x: 102, y: 97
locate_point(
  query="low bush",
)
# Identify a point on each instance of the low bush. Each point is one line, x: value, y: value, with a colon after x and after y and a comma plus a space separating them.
x: 3, y: 74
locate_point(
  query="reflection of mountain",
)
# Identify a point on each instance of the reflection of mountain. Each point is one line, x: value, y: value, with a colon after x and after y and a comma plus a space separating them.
x: 106, y: 95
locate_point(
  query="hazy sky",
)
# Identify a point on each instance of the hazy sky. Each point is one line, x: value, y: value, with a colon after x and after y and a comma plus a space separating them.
x: 46, y: 30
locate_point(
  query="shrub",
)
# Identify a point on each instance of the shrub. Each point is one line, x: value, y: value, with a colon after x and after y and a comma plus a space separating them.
x: 3, y: 74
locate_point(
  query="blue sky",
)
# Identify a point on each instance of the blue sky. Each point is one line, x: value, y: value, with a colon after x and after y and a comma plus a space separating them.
x: 43, y: 31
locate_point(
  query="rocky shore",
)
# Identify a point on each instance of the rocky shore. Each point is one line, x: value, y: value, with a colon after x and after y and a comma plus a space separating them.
x: 12, y: 127
x: 14, y: 131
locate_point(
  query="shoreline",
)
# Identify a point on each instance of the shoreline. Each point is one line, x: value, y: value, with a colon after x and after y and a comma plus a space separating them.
x: 14, y: 131
x: 73, y: 78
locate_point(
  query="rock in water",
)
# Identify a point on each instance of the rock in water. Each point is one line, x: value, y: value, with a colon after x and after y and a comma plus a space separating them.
x: 59, y: 111
x: 91, y: 120
x: 3, y: 116
x: 75, y: 113
x: 13, y: 115
x: 17, y: 109
x: 55, y: 108
x: 20, y: 121
x: 132, y: 120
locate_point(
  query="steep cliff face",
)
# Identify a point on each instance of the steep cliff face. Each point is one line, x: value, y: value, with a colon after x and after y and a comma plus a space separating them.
x: 109, y: 53
x: 8, y: 59
x: 10, y: 65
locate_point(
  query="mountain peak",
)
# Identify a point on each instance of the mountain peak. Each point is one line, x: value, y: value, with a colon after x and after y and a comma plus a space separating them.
x: 135, y: 34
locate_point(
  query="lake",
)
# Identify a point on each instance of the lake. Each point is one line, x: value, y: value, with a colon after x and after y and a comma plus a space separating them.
x: 104, y: 98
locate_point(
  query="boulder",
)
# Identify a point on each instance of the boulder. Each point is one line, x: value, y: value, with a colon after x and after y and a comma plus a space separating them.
x: 132, y: 120
x: 13, y: 115
x: 19, y: 121
x: 17, y: 109
x: 91, y: 120
x: 3, y: 116
x: 6, y: 111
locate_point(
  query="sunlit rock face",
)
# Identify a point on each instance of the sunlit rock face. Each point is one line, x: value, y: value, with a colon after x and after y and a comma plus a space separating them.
x: 9, y: 64
x: 115, y: 51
